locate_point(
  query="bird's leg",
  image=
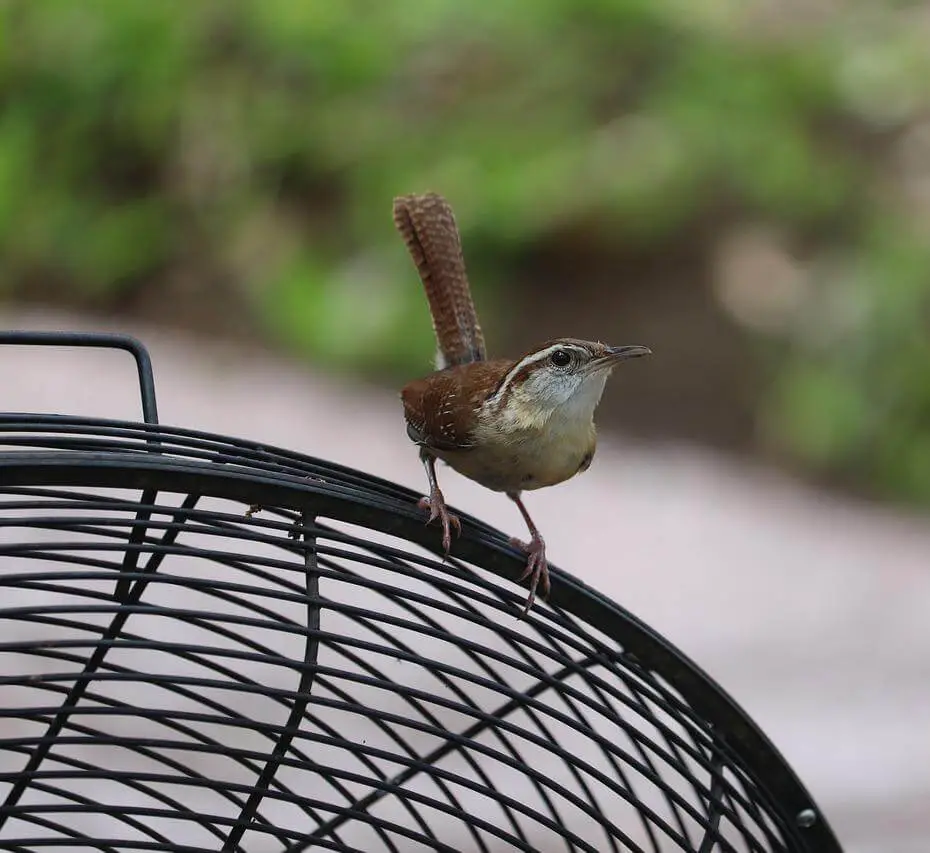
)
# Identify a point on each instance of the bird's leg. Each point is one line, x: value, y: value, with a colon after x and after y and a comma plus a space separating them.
x: 537, y: 569
x: 436, y: 503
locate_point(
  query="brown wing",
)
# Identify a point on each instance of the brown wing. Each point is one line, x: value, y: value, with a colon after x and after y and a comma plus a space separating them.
x: 427, y: 224
x: 440, y: 408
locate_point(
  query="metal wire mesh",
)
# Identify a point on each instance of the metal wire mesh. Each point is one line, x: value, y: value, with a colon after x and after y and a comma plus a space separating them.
x: 315, y: 677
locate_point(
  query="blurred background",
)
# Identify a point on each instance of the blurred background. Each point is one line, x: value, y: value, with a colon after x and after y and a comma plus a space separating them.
x: 742, y: 185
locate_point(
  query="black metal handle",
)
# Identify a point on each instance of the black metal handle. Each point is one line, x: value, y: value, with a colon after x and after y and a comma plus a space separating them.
x: 102, y: 340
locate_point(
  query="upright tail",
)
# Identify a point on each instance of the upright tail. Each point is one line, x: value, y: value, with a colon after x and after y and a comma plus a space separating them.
x: 428, y: 227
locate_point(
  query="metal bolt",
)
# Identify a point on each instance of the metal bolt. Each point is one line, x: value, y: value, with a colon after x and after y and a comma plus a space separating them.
x: 806, y: 818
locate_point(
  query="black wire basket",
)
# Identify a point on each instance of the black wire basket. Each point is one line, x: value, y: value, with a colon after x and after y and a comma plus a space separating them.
x: 178, y: 674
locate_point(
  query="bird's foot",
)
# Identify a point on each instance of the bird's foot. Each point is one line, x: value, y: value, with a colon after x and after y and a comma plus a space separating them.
x: 436, y: 504
x: 537, y: 569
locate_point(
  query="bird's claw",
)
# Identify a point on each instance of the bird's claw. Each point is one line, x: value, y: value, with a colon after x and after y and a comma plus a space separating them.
x: 436, y: 505
x: 537, y: 568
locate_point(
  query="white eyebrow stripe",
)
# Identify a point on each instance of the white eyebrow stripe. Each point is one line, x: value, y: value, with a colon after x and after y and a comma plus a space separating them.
x: 532, y: 358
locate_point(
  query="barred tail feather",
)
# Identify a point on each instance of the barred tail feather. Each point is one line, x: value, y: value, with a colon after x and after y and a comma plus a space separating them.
x: 428, y: 227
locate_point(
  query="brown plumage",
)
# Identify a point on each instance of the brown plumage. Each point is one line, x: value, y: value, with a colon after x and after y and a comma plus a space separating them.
x: 441, y: 408
x: 491, y: 421
x: 509, y: 425
x: 427, y: 224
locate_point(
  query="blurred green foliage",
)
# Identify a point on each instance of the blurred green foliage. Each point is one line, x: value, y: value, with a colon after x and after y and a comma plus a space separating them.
x: 254, y: 147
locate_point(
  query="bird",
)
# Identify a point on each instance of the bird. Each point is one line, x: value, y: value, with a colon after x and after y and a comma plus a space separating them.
x: 511, y: 425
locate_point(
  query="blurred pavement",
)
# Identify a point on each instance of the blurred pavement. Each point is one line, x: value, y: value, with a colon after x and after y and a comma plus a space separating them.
x: 810, y: 610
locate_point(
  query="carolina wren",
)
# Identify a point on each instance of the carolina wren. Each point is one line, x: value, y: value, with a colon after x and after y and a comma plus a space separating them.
x: 509, y: 425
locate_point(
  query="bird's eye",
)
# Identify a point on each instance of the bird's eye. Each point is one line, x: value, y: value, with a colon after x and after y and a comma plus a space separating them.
x: 560, y: 358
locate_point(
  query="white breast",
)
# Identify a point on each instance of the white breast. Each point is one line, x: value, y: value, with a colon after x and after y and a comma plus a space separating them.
x: 532, y: 445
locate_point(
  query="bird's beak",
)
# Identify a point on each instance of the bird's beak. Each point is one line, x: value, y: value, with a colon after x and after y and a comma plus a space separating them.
x: 620, y: 353
x: 615, y: 354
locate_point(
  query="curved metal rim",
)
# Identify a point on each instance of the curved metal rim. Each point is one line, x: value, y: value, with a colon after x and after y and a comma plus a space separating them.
x: 397, y: 515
